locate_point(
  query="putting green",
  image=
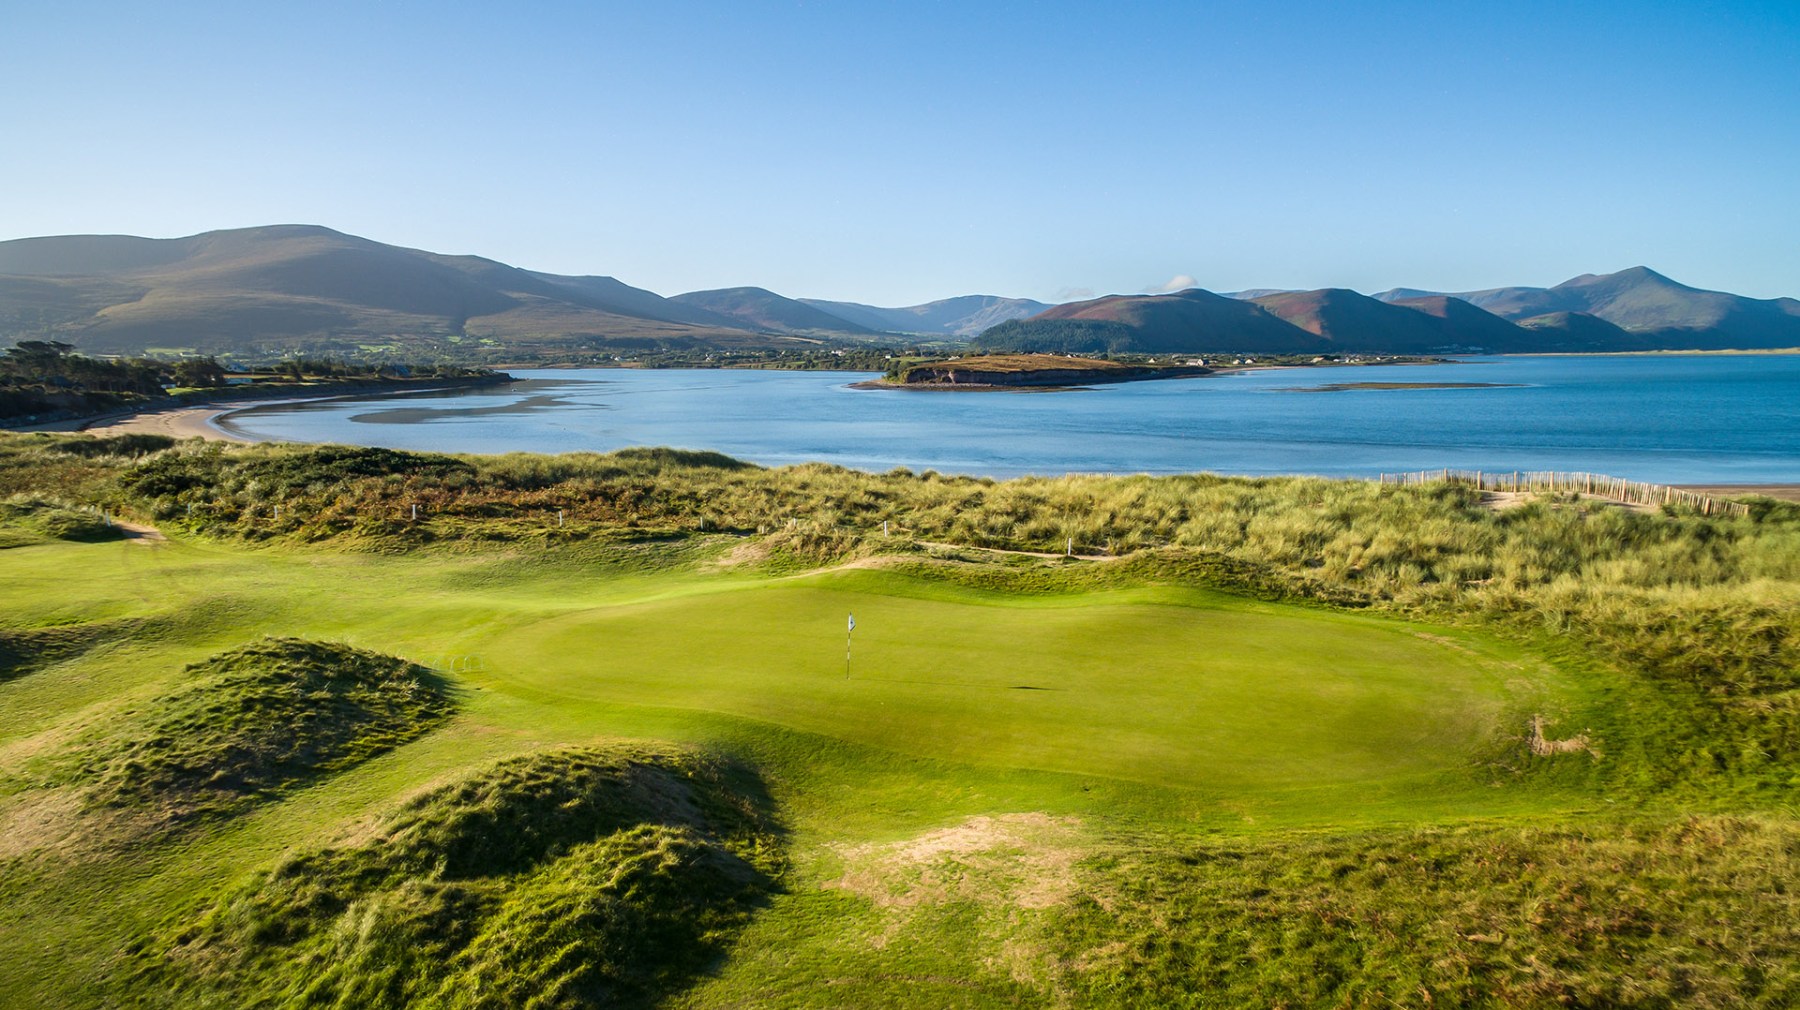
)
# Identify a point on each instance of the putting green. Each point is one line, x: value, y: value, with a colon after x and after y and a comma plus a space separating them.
x: 1151, y: 685
x: 1159, y: 686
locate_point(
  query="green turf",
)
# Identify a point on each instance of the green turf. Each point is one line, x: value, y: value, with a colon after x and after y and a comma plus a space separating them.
x: 1158, y: 686
x: 1111, y: 710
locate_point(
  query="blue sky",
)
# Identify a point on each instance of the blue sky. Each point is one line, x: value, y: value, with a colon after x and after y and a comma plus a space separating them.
x: 895, y: 153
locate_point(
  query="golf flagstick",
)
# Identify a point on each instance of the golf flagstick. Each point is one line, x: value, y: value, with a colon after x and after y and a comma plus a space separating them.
x: 847, y: 632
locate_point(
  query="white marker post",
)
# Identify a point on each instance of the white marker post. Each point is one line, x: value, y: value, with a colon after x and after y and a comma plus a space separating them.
x: 847, y: 632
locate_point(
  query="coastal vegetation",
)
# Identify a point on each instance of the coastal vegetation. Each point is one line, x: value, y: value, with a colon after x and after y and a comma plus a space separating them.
x: 44, y: 377
x: 583, y: 727
x: 42, y: 381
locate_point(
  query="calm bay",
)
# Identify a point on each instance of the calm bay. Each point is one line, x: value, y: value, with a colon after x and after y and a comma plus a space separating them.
x: 1666, y: 418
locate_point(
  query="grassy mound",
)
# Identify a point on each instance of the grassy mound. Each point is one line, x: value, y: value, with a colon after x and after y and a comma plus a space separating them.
x: 1697, y: 912
x: 29, y: 520
x: 256, y: 720
x: 573, y: 878
x: 26, y: 650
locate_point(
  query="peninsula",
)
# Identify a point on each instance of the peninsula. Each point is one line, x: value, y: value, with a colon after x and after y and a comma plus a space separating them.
x: 1022, y: 371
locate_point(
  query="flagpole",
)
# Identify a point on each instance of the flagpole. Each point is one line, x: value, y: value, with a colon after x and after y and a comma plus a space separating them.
x: 847, y: 632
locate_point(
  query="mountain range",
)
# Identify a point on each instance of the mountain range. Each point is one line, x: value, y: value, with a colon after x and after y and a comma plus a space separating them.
x: 1641, y: 302
x: 286, y: 288
x: 964, y: 316
x: 302, y: 287
x: 1635, y: 309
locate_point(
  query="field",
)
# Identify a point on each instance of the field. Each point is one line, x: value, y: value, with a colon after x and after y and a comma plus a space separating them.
x: 1134, y: 782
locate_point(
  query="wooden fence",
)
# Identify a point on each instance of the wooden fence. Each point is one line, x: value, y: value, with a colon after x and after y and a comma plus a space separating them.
x: 1598, y: 485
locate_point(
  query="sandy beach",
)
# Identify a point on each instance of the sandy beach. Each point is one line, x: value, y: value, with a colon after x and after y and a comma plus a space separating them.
x: 180, y: 422
x: 196, y: 420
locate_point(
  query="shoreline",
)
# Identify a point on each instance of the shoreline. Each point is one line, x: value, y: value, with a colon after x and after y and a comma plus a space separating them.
x: 176, y: 422
x: 201, y: 419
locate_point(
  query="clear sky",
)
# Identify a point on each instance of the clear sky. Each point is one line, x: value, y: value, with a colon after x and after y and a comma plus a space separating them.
x: 899, y: 152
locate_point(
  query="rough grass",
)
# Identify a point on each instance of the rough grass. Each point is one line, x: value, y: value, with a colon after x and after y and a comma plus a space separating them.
x: 252, y: 722
x: 27, y: 520
x: 564, y: 879
x: 1696, y: 912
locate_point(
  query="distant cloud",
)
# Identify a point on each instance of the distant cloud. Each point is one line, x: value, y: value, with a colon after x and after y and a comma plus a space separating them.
x: 1179, y: 282
x: 1074, y: 294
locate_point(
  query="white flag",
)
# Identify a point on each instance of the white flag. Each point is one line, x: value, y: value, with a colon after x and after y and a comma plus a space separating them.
x: 852, y: 623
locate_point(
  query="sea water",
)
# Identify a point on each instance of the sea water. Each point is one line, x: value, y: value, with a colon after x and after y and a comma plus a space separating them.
x: 1666, y: 418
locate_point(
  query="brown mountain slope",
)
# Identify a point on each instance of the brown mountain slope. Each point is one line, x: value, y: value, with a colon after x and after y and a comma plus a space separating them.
x: 1657, y: 311
x: 1356, y: 322
x: 1350, y: 321
x: 1464, y: 325
x: 762, y: 309
x: 962, y: 316
x: 298, y: 286
x: 1191, y: 320
x: 1576, y: 331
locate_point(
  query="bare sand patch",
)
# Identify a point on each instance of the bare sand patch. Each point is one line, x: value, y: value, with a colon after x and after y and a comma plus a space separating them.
x: 1543, y: 746
x: 1501, y: 501
x: 53, y: 819
x: 1018, y: 860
